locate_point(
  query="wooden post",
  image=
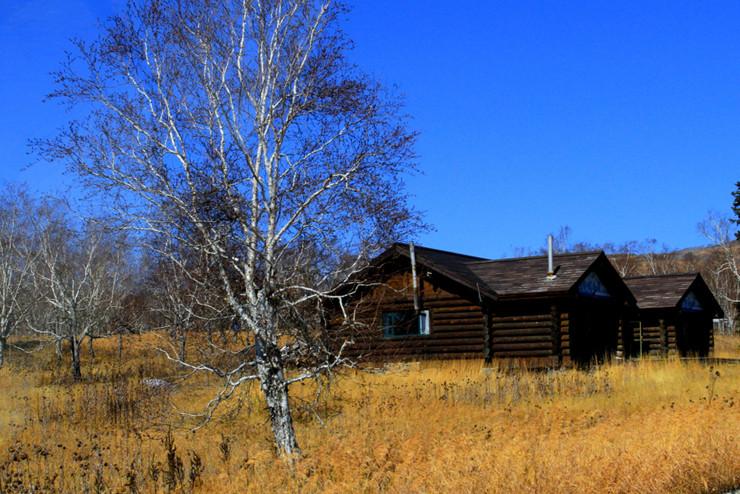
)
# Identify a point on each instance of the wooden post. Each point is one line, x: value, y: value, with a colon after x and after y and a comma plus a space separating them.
x: 621, y: 342
x: 556, y: 337
x: 663, y: 337
x: 487, y: 335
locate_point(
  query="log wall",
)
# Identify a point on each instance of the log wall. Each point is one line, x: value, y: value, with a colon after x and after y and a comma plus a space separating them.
x: 457, y: 324
x: 461, y: 327
x: 522, y: 336
x: 531, y: 333
x: 658, y: 337
x: 565, y: 337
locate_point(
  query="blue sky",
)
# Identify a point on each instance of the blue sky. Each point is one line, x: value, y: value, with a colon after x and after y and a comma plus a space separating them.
x: 619, y: 119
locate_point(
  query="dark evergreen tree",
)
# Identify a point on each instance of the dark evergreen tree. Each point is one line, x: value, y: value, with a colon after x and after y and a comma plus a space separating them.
x: 736, y: 209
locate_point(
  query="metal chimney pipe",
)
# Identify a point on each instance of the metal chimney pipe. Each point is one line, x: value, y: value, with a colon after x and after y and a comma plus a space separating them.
x: 550, y: 268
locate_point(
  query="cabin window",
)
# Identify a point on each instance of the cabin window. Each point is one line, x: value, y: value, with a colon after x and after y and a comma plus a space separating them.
x: 405, y: 323
x: 691, y: 304
x: 591, y: 286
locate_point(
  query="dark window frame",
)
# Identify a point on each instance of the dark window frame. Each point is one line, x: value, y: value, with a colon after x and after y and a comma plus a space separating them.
x: 392, y: 322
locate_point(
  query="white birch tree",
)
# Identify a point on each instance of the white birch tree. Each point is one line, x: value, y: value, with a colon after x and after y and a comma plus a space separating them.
x: 238, y: 129
x: 78, y: 282
x: 724, y: 266
x: 16, y: 263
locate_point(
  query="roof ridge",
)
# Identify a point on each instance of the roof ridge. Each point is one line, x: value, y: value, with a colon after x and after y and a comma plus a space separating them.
x: 416, y: 246
x: 666, y: 275
x: 541, y: 256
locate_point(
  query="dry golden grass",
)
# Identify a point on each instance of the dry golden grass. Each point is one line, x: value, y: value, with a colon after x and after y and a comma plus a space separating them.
x: 425, y: 427
x: 726, y: 346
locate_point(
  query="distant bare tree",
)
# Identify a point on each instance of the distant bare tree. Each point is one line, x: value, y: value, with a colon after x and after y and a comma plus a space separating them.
x: 239, y: 130
x: 78, y: 281
x: 562, y: 241
x: 659, y: 260
x: 17, y: 258
x: 736, y: 209
x: 176, y: 305
x: 724, y: 266
x: 185, y: 299
x: 630, y: 258
x: 625, y: 257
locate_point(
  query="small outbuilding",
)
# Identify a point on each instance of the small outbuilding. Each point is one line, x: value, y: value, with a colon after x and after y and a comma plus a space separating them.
x: 536, y: 311
x: 675, y: 316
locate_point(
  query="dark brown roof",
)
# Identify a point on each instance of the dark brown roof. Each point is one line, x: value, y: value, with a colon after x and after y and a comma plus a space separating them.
x: 661, y: 291
x: 506, y: 277
x: 529, y: 274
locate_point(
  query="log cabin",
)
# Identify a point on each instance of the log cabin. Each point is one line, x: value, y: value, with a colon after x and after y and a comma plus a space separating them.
x: 541, y: 311
x: 675, y: 315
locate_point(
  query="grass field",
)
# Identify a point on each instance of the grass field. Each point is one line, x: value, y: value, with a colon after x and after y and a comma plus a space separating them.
x: 650, y: 426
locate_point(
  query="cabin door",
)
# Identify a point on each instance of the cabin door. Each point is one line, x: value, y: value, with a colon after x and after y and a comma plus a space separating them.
x: 692, y: 334
x: 593, y: 332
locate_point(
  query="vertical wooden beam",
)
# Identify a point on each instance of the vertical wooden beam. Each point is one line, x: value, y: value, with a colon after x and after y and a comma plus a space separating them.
x: 621, y: 342
x: 556, y: 336
x: 487, y: 334
x: 672, y: 334
x: 663, y: 337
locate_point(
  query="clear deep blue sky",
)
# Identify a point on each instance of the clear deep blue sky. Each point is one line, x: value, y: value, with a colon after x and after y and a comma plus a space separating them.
x: 619, y: 119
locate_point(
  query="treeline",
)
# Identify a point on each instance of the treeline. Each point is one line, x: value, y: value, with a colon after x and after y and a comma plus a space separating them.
x: 72, y: 279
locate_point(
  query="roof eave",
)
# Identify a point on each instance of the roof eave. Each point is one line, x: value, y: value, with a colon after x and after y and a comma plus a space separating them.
x: 483, y: 291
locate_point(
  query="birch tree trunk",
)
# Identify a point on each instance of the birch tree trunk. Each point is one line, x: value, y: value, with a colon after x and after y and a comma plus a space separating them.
x: 74, y: 350
x: 271, y: 374
x: 275, y: 389
x: 182, y: 350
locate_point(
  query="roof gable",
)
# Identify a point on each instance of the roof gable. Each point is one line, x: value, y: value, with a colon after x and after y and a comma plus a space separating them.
x: 669, y: 291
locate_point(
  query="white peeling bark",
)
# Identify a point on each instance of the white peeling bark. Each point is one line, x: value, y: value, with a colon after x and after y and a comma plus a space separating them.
x: 270, y: 371
x: 275, y: 389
